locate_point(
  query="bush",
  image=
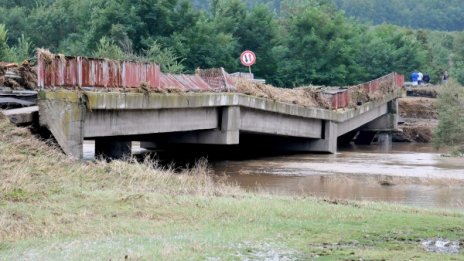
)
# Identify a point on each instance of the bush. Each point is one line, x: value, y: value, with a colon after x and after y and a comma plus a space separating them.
x: 449, y: 132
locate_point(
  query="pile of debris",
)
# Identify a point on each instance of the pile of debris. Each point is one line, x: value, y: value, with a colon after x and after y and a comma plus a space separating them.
x: 311, y: 96
x: 430, y: 91
x: 16, y: 76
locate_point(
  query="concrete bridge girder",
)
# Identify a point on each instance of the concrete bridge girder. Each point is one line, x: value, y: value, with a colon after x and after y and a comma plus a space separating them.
x: 203, y: 119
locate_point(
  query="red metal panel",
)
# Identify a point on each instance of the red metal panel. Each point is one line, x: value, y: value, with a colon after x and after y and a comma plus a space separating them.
x: 399, y: 80
x: 217, y: 79
x: 192, y: 82
x: 229, y: 81
x: 213, y: 77
x: 334, y: 101
x: 169, y: 82
x: 61, y: 71
x: 340, y: 99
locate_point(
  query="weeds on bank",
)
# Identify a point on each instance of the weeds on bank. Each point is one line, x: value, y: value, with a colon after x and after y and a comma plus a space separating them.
x: 35, y: 173
x: 52, y: 207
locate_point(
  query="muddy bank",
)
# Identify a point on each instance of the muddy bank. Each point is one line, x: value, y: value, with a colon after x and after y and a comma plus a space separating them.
x: 418, y: 119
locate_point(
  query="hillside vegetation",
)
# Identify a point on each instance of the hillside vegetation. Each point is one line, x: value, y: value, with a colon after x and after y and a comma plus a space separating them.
x: 419, y: 14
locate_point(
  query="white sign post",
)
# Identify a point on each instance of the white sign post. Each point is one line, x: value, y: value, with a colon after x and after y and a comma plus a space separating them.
x: 248, y: 58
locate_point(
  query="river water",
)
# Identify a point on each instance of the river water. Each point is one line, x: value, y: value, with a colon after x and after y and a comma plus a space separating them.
x: 408, y: 174
x: 411, y: 174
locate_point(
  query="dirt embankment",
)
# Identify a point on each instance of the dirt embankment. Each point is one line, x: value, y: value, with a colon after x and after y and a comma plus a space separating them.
x: 418, y: 118
x: 429, y: 91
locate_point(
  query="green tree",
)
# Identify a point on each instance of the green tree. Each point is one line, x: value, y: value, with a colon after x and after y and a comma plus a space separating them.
x: 389, y: 48
x: 203, y: 46
x: 108, y: 49
x: 5, y: 52
x: 458, y: 58
x: 23, y: 50
x: 318, y: 49
x: 165, y: 57
x: 258, y: 33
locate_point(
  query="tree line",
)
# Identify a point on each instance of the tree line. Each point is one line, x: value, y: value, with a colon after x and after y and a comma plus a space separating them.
x: 301, y: 42
x: 419, y: 14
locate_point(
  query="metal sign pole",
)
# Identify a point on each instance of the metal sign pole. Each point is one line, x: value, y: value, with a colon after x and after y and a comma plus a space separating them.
x: 248, y: 58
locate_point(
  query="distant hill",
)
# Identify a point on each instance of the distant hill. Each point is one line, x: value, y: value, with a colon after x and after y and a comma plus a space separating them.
x: 443, y: 15
x: 428, y: 14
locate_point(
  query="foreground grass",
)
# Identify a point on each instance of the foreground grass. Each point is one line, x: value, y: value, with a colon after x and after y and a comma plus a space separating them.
x: 52, y: 207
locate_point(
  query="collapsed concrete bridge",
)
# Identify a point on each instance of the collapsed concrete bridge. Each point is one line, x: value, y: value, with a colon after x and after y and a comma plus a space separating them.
x: 214, y: 114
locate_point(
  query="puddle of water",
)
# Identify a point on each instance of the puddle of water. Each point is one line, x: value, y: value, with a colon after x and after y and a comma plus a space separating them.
x: 441, y: 245
x: 264, y: 251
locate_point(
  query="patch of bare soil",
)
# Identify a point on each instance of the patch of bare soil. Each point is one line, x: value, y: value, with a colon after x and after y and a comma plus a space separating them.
x: 419, y: 116
x: 418, y: 107
x: 429, y: 91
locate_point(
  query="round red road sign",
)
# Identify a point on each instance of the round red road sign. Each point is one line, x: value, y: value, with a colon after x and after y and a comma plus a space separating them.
x: 248, y: 58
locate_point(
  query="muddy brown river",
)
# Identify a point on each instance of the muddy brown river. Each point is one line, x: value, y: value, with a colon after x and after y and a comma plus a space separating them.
x: 410, y: 174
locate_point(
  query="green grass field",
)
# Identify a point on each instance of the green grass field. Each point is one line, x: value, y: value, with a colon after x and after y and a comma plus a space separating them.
x: 54, y: 208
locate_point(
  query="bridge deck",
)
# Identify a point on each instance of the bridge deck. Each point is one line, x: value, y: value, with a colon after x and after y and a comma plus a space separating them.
x: 206, y: 118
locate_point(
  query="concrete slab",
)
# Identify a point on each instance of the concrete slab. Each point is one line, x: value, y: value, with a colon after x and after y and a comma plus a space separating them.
x: 25, y: 115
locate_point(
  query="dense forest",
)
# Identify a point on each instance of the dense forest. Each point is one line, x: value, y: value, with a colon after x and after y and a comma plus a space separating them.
x: 297, y: 42
x: 418, y: 14
x: 430, y: 14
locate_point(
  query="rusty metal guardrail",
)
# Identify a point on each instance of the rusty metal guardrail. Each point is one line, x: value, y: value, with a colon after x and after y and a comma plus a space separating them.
x: 354, y: 95
x: 70, y: 72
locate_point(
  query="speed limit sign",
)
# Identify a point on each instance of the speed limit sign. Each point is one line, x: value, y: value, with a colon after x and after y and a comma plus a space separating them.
x: 248, y: 58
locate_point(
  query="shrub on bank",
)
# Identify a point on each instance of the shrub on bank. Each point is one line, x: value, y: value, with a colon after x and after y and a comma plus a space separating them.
x: 450, y: 106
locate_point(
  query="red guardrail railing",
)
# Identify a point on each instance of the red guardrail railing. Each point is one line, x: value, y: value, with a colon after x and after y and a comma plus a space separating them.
x: 69, y: 72
x: 364, y: 91
x: 66, y: 71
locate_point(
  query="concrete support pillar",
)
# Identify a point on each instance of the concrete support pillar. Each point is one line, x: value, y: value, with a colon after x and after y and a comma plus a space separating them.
x: 112, y: 148
x: 230, y: 125
x: 328, y: 142
x: 393, y: 106
x: 385, y: 140
x: 63, y: 114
